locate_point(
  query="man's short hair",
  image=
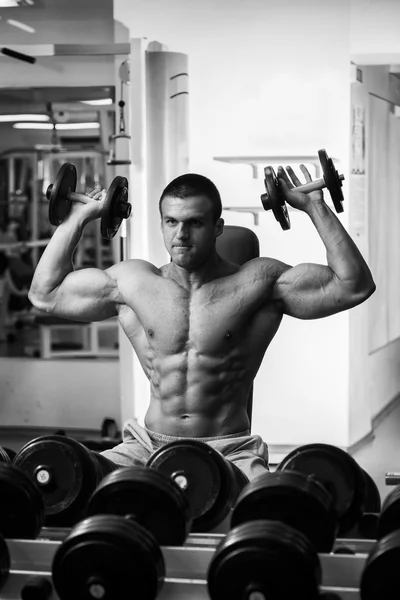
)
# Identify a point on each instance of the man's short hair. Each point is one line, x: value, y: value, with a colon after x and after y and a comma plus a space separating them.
x: 192, y: 184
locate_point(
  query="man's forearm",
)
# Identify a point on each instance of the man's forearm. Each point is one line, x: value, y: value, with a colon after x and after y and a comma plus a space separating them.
x: 56, y: 260
x: 343, y: 256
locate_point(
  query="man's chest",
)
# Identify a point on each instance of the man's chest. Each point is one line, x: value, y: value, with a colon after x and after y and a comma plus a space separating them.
x: 208, y: 320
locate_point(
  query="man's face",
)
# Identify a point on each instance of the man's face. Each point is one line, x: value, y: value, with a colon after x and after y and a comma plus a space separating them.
x: 189, y: 229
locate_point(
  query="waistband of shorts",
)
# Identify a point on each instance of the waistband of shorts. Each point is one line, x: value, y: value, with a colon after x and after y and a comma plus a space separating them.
x: 161, y: 437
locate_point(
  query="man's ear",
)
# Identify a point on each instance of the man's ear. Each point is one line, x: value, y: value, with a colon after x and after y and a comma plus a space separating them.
x: 220, y: 226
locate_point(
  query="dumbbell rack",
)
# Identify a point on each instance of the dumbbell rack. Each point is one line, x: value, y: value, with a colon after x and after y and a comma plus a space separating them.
x: 186, y: 566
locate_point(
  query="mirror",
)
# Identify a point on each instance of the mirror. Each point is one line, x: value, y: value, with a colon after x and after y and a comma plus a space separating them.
x: 41, y: 129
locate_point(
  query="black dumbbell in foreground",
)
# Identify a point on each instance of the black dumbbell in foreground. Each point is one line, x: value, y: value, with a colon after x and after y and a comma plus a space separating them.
x: 339, y: 473
x: 367, y: 526
x: 66, y: 473
x: 5, y: 562
x: 21, y: 504
x: 131, y: 514
x: 210, y: 482
x: 264, y: 560
x: 380, y: 577
x: 62, y: 193
x: 295, y: 499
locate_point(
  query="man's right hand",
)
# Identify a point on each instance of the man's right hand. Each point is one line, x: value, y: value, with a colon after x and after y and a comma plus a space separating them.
x: 91, y: 210
x: 300, y: 200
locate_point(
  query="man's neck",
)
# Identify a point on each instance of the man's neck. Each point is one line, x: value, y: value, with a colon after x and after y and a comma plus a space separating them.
x: 192, y: 279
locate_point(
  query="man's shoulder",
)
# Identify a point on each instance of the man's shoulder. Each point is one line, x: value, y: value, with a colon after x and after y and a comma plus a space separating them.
x: 133, y: 266
x: 271, y: 268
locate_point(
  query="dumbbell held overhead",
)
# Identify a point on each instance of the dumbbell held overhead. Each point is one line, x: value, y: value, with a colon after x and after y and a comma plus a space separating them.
x: 274, y: 197
x: 62, y: 193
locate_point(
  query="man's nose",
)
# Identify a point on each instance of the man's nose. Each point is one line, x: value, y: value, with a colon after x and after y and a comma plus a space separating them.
x: 183, y: 232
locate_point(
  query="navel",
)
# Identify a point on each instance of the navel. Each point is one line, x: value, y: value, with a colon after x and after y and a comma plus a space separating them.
x: 228, y: 335
x: 150, y: 333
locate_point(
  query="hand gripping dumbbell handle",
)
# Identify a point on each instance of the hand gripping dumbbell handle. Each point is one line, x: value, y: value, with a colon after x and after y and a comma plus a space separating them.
x: 124, y: 208
x: 318, y: 184
x: 72, y: 196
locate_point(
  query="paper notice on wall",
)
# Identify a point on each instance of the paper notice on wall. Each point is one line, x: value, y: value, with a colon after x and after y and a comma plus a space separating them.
x: 358, y: 140
x: 357, y: 208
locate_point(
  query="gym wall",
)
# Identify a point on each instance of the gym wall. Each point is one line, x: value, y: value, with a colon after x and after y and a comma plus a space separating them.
x: 374, y: 224
x: 279, y: 82
x: 37, y: 393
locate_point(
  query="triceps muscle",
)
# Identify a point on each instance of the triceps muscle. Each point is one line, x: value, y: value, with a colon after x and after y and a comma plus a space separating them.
x: 311, y: 291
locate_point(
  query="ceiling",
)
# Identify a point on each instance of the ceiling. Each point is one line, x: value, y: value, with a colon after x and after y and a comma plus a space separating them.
x: 58, y: 22
x: 55, y: 22
x: 23, y: 100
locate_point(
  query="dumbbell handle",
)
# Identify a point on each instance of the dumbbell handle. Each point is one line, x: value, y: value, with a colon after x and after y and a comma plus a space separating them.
x: 77, y: 197
x: 72, y: 196
x: 318, y: 184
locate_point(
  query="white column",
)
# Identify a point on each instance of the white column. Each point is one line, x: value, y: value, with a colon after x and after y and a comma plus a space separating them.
x: 158, y: 125
x: 133, y: 383
x: 167, y: 127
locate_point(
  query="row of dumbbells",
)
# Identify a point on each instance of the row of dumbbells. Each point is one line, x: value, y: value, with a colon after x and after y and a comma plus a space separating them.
x: 61, y: 474
x: 282, y: 520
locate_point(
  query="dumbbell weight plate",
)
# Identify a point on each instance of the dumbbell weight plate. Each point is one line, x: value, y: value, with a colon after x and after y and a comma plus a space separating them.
x: 380, y: 578
x: 372, y: 502
x: 274, y: 199
x: 292, y: 498
x: 4, y: 456
x: 367, y: 525
x: 10, y: 453
x: 267, y: 557
x: 66, y: 474
x: 37, y: 587
x: 4, y: 562
x: 209, y: 481
x: 116, y: 200
x: 332, y: 180
x: 104, y: 466
x: 59, y: 205
x: 21, y: 504
x: 149, y: 497
x: 339, y: 473
x: 389, y: 518
x: 108, y: 556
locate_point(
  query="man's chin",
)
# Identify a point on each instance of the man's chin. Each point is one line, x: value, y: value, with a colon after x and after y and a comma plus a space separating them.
x: 185, y: 261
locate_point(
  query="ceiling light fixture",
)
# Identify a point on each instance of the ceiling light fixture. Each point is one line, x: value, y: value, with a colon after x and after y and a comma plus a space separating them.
x: 59, y: 126
x: 101, y: 102
x: 23, y: 117
x: 20, y: 25
x: 15, y: 3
